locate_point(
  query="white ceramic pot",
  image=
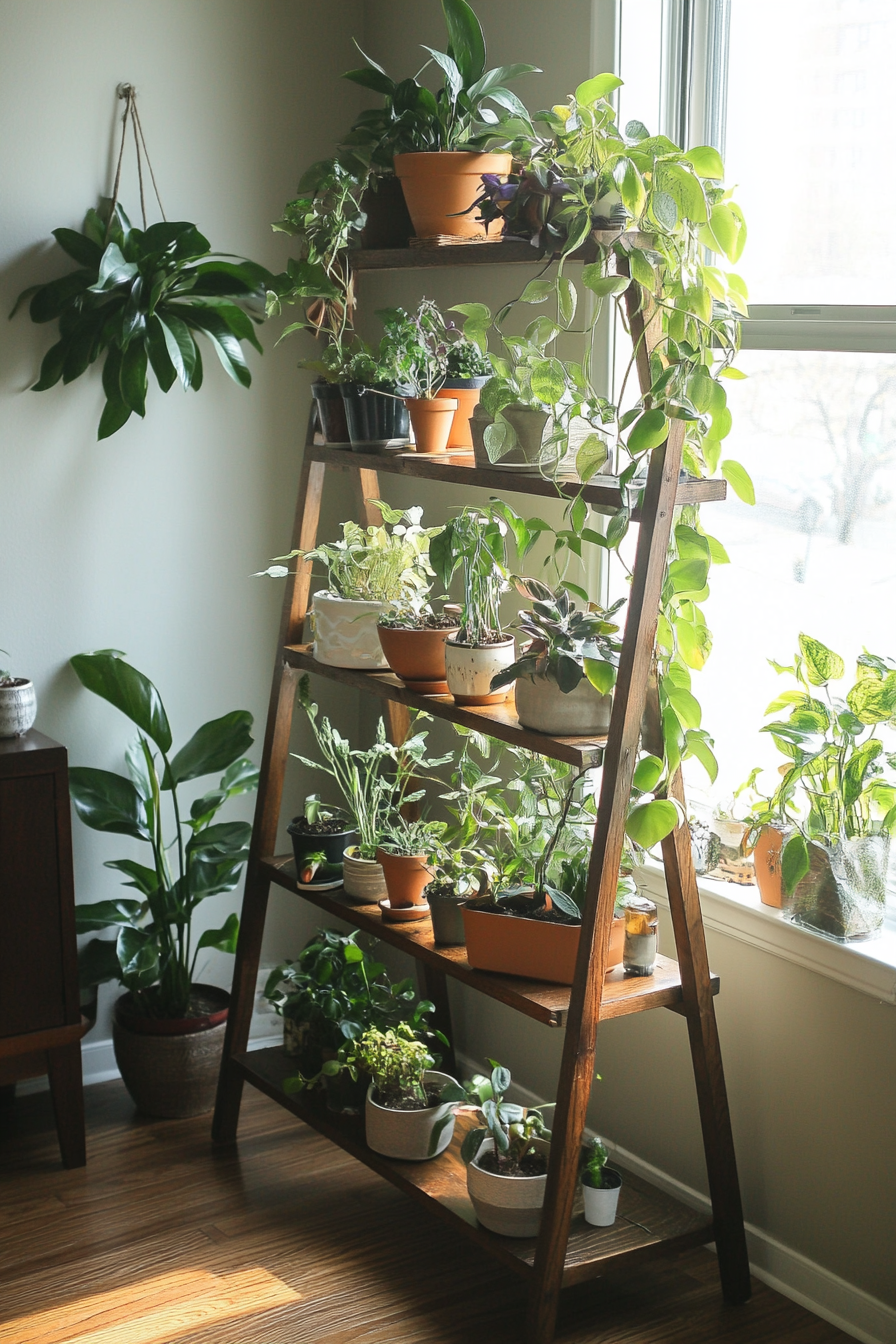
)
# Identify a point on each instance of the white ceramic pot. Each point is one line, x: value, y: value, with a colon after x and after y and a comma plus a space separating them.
x: 345, y: 632
x: 408, y: 1135
x: 543, y: 707
x: 600, y: 1205
x: 731, y: 833
x: 530, y: 425
x: 363, y: 879
x: 509, y: 1205
x: 469, y: 670
x: 18, y: 708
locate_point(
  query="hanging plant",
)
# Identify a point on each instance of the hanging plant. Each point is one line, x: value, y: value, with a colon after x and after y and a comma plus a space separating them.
x: 141, y: 297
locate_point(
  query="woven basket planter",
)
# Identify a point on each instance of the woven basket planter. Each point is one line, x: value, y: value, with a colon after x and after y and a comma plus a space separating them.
x: 175, y: 1075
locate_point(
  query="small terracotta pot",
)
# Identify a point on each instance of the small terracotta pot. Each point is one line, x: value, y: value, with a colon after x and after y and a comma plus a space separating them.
x: 533, y: 949
x: 406, y: 875
x: 466, y: 391
x: 417, y: 657
x: 767, y: 866
x: 432, y: 418
x: 439, y: 185
x: 469, y: 669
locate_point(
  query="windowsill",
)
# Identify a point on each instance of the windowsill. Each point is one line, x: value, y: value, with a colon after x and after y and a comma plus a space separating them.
x: 869, y: 967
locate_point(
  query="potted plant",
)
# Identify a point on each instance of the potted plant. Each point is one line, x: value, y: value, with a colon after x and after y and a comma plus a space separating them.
x: 168, y: 1030
x: 405, y: 1116
x: 369, y: 568
x: 834, y: 865
x: 413, y: 637
x: 18, y: 704
x: 474, y: 543
x: 423, y: 341
x: 374, y: 782
x: 141, y: 297
x: 330, y: 995
x: 600, y: 1186
x: 506, y: 1154
x: 320, y: 837
x: 447, y: 132
x: 566, y: 672
x: 467, y: 370
x: 372, y: 387
x: 404, y: 851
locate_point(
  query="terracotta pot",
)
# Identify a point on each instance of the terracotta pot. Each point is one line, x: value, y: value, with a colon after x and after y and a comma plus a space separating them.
x: 408, y: 1135
x: 376, y: 417
x: 18, y: 707
x: 767, y: 866
x: 466, y: 391
x: 406, y: 875
x: 171, y: 1068
x: 329, y: 874
x: 388, y: 222
x: 530, y: 426
x: 543, y: 707
x: 362, y: 879
x: 439, y: 185
x: 469, y: 670
x: 345, y: 632
x: 417, y: 657
x: 432, y: 418
x: 508, y: 1205
x: 331, y: 413
x: 533, y: 949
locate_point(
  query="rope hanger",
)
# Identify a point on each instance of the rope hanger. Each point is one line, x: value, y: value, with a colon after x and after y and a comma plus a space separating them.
x: 128, y: 94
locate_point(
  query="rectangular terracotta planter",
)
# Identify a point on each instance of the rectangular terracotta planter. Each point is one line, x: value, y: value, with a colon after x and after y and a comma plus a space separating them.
x: 533, y: 949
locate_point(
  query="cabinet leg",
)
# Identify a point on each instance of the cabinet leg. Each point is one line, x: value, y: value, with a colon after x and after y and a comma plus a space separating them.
x: 66, y: 1088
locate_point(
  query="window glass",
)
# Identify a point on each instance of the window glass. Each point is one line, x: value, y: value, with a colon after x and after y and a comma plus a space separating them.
x: 640, y: 52
x: 811, y: 119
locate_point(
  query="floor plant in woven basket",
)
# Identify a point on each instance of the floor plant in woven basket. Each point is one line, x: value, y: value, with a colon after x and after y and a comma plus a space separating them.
x: 168, y: 1029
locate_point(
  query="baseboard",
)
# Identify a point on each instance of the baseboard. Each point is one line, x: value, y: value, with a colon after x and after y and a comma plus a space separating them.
x: 787, y: 1271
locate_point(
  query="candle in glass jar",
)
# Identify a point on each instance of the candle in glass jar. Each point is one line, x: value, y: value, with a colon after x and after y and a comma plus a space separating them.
x: 639, y: 949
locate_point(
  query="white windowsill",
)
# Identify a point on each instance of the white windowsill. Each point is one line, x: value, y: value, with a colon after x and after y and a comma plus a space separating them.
x: 869, y: 967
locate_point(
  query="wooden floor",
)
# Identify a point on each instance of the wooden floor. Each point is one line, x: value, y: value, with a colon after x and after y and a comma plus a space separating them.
x: 287, y: 1240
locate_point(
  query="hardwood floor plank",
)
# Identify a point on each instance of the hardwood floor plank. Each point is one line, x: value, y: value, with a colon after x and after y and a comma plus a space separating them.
x: 159, y: 1226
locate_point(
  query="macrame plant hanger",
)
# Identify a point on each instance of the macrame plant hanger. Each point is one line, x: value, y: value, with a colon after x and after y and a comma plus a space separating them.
x: 128, y: 94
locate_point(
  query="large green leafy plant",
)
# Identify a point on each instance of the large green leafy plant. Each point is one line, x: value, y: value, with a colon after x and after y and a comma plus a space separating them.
x: 141, y: 297
x: 154, y: 954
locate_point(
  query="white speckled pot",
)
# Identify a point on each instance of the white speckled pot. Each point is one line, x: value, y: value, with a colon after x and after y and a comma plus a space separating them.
x: 509, y: 1205
x: 362, y: 879
x: 345, y: 633
x: 542, y: 706
x: 406, y: 1135
x: 469, y: 669
x: 18, y: 708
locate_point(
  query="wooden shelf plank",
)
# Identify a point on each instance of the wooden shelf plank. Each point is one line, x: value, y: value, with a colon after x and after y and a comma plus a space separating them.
x: 503, y: 251
x: 649, y: 1222
x: 602, y: 493
x: 496, y: 720
x: 537, y: 999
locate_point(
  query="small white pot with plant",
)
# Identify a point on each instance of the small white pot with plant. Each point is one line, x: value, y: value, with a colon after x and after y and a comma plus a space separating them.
x: 374, y: 783
x: 474, y: 543
x: 566, y: 673
x: 368, y: 569
x: 506, y: 1154
x: 18, y: 704
x: 600, y: 1186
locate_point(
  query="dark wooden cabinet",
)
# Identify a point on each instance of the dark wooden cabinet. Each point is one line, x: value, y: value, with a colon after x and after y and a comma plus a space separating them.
x: 40, y: 1018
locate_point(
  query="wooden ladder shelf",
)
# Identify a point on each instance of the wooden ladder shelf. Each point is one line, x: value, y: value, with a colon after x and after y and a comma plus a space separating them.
x: 567, y: 1250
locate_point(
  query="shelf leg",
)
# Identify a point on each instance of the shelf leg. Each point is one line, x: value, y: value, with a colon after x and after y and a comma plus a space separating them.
x: 66, y: 1087
x: 435, y: 988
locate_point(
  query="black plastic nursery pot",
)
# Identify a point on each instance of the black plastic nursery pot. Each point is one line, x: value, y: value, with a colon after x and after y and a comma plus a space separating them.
x: 376, y: 417
x: 327, y: 873
x: 331, y: 412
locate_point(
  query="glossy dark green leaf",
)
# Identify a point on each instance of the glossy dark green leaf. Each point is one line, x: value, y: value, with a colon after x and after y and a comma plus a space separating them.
x: 180, y: 346
x: 371, y: 79
x: 115, y: 415
x: 83, y: 250
x: 114, y: 270
x: 143, y: 878
x: 467, y: 44
x: 239, y: 323
x: 107, y: 802
x: 97, y: 963
x: 226, y: 345
x: 51, y: 367
x: 159, y: 358
x: 223, y: 939
x: 212, y: 747
x: 100, y: 914
x: 132, y: 378
x: 110, y: 677
x: 138, y: 953
x: 50, y: 299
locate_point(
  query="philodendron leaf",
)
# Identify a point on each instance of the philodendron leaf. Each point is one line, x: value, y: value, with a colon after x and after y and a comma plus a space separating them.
x: 706, y: 161
x: 794, y: 862
x: 648, y: 773
x: 649, y: 431
x: 648, y: 823
x: 822, y: 664
x: 739, y: 480
x: 108, y: 675
x: 599, y: 86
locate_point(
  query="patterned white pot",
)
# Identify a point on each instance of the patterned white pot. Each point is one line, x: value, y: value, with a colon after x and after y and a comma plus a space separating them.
x: 345, y: 632
x: 407, y: 1135
x: 362, y: 879
x: 542, y: 706
x: 18, y: 708
x: 509, y: 1205
x: 469, y: 669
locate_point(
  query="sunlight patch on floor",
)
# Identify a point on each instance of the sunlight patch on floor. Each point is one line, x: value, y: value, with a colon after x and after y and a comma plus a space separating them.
x: 154, y: 1311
